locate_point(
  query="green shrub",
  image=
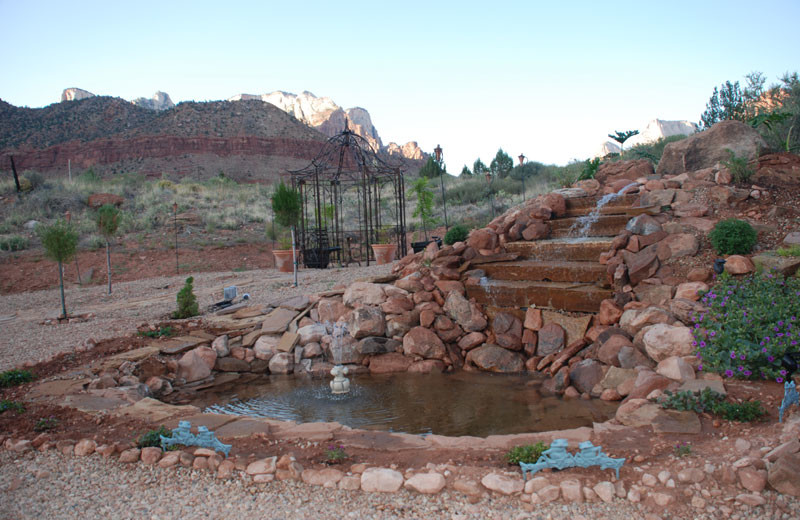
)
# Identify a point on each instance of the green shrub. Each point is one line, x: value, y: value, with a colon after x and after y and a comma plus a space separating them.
x: 457, y: 233
x: 187, y: 302
x: 589, y: 169
x: 710, y: 401
x: 152, y: 438
x: 287, y: 205
x: 750, y: 324
x: 13, y: 406
x: 739, y: 168
x: 733, y: 237
x: 15, y: 377
x: 528, y: 454
x: 162, y: 332
x: 13, y: 243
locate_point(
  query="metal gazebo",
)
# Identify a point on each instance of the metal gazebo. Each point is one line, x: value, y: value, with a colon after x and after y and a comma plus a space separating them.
x: 351, y: 198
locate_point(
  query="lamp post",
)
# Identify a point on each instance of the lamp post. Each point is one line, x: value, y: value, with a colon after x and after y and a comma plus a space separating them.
x: 489, y: 179
x: 175, y: 221
x: 438, y: 153
x: 522, y: 174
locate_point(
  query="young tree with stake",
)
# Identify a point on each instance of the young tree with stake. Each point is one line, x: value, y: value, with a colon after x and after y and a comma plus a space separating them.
x: 107, y: 224
x: 60, y: 243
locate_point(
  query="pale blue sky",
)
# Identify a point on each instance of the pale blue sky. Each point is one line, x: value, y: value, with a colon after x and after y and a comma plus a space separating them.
x: 549, y: 79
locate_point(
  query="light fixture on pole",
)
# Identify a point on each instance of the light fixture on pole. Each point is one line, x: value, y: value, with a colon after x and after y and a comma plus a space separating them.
x: 489, y: 179
x: 175, y: 221
x: 438, y: 153
x: 522, y: 174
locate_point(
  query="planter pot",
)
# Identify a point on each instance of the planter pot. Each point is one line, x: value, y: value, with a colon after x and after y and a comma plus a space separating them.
x: 283, y: 260
x: 384, y: 253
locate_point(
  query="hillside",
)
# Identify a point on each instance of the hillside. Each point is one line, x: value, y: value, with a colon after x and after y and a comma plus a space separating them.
x: 249, y: 140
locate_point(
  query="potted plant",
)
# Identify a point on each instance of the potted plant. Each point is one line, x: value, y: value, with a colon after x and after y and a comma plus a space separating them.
x: 285, y: 256
x: 385, y: 248
x: 286, y: 205
x: 423, y: 211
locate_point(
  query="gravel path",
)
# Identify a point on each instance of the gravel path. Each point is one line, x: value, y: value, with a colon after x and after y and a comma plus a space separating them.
x: 53, y: 486
x: 24, y: 338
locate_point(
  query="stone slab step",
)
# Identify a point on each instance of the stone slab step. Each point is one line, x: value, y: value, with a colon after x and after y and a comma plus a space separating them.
x: 583, y: 205
x: 546, y: 270
x: 563, y: 296
x: 605, y: 226
x: 577, y: 250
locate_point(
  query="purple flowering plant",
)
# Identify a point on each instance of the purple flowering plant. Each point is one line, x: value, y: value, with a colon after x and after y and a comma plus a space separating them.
x: 750, y: 324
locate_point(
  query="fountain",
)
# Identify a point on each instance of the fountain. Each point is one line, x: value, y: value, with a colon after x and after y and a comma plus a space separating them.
x: 582, y: 225
x: 340, y: 384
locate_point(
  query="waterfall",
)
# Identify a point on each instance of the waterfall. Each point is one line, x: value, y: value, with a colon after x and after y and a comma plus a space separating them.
x: 582, y: 225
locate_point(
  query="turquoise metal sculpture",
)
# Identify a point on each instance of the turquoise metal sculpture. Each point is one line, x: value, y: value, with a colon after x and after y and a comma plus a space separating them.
x: 205, y: 439
x: 790, y: 397
x: 558, y: 457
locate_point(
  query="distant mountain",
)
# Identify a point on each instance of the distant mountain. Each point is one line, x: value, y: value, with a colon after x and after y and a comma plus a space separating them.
x: 654, y: 130
x: 326, y: 116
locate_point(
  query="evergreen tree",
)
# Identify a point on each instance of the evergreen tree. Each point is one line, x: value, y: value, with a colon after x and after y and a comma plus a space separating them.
x: 431, y: 169
x: 621, y: 137
x: 478, y: 168
x: 725, y: 103
x: 465, y: 172
x: 107, y: 224
x: 60, y: 243
x: 502, y: 164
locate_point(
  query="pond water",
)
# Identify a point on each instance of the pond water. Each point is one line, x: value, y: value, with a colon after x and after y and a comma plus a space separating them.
x: 462, y: 403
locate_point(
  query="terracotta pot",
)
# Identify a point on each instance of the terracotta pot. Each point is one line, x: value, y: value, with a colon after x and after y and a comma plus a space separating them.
x: 384, y: 253
x: 284, y: 260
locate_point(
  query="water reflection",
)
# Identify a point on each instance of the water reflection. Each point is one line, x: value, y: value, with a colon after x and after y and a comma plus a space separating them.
x: 463, y: 403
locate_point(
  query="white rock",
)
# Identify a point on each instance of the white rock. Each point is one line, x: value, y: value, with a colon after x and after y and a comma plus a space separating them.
x: 381, y: 480
x: 428, y: 483
x: 502, y: 484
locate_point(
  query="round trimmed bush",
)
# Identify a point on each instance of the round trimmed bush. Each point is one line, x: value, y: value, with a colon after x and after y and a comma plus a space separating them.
x: 457, y: 233
x: 733, y: 237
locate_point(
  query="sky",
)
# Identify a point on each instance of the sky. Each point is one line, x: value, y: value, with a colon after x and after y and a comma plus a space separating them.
x: 547, y: 79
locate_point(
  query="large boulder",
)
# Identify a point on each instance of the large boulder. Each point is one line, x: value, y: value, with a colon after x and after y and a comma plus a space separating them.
x: 364, y: 293
x: 630, y: 170
x: 662, y: 341
x: 706, y: 149
x: 551, y: 339
x: 585, y: 374
x: 492, y: 358
x: 389, y: 363
x: 424, y: 343
x: 367, y: 321
x: 194, y: 365
x: 464, y: 312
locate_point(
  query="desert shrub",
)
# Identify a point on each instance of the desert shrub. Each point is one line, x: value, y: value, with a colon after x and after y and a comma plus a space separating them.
x: 161, y: 332
x: 94, y: 242
x: 789, y: 251
x: 13, y: 406
x: 733, y: 237
x: 45, y: 424
x: 750, y: 324
x: 713, y: 402
x: 13, y: 243
x: 528, y: 454
x: 739, y: 167
x: 589, y: 169
x: 15, y: 377
x: 152, y: 438
x: 457, y: 233
x: 187, y: 302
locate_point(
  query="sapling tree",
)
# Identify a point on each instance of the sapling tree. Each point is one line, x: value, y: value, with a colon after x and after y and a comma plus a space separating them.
x: 287, y: 206
x: 107, y: 224
x: 424, y: 208
x: 621, y: 137
x: 60, y: 241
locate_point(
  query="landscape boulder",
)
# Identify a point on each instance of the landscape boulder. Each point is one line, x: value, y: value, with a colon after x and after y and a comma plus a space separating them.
x: 424, y: 343
x: 464, y: 312
x: 491, y: 358
x: 706, y: 149
x: 367, y: 321
x: 585, y: 374
x: 662, y: 341
x: 364, y: 293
